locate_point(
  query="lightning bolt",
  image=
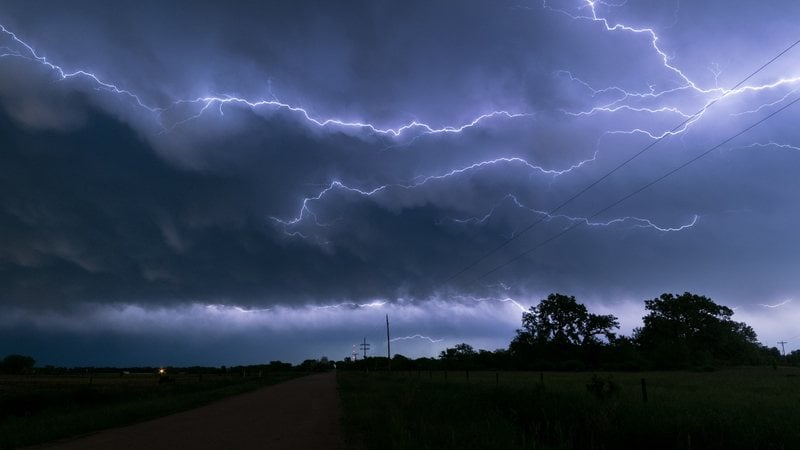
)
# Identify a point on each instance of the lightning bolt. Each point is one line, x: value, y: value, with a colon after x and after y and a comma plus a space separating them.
x: 649, y: 32
x: 766, y: 105
x: 352, y: 305
x: 237, y: 310
x: 772, y: 144
x: 685, y: 83
x: 204, y: 103
x: 305, y: 211
x: 636, y: 221
x: 30, y: 54
x: 492, y: 299
x: 251, y: 310
x: 777, y: 305
x: 416, y: 336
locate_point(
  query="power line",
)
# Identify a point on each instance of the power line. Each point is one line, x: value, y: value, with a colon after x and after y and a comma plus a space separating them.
x: 637, y: 191
x: 615, y: 169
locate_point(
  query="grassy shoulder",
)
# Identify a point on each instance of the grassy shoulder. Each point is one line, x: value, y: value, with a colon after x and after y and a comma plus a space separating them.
x: 747, y: 408
x: 37, y: 409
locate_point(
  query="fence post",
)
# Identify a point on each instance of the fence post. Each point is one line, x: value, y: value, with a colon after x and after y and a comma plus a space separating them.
x: 467, y: 375
x: 644, y: 390
x: 497, y: 378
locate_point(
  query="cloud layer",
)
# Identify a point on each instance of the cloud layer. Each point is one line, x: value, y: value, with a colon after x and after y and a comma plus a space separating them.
x: 288, y: 157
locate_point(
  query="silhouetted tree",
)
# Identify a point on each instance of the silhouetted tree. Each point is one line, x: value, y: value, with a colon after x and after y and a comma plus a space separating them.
x: 461, y: 356
x: 497, y: 359
x: 769, y: 355
x: 17, y: 364
x: 691, y: 329
x: 279, y: 366
x: 793, y: 357
x: 316, y: 365
x: 560, y: 328
x: 624, y: 354
x: 560, y: 319
x: 401, y: 362
x: 460, y: 351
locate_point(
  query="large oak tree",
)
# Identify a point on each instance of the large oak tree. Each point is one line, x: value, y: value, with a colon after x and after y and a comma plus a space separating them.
x: 691, y: 329
x: 561, y: 328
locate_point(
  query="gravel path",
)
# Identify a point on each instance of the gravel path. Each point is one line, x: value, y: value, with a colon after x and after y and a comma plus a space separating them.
x: 299, y: 414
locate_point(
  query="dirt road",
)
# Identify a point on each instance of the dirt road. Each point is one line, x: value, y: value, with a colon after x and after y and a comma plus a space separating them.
x: 299, y: 414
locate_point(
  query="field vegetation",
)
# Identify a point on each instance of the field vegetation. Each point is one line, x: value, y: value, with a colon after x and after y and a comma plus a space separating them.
x: 732, y: 408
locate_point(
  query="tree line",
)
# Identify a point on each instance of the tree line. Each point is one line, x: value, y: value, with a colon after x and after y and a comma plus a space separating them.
x: 685, y: 331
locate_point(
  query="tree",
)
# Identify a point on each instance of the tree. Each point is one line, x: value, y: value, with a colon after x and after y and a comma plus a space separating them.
x: 793, y: 357
x: 461, y: 352
x: 462, y: 356
x: 17, y: 364
x: 561, y: 320
x: 561, y: 328
x: 691, y: 329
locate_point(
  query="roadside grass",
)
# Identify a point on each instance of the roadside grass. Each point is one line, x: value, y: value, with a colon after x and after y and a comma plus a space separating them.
x: 746, y: 408
x: 38, y: 409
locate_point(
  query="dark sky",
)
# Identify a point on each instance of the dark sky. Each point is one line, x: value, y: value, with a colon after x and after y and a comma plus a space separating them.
x: 207, y: 183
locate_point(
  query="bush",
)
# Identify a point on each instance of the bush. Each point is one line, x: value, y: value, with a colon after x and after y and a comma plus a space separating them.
x: 17, y: 364
x: 604, y: 388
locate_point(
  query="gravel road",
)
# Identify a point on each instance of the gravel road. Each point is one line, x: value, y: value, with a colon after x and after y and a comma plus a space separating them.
x: 298, y: 414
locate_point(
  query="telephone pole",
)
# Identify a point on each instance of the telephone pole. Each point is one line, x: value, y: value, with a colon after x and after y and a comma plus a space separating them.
x: 365, y: 347
x: 783, y: 349
x: 388, y: 344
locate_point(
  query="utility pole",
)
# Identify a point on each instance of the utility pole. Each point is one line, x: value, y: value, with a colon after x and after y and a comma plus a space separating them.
x: 365, y: 347
x: 783, y: 349
x: 388, y: 344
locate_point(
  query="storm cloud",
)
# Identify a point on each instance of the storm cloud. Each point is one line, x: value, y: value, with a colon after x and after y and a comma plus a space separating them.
x: 253, y: 172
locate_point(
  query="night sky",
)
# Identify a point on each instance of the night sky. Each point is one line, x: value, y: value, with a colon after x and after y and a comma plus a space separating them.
x: 230, y: 183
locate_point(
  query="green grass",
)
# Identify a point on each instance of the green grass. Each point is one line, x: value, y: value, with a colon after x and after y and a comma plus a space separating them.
x: 748, y: 408
x: 38, y: 409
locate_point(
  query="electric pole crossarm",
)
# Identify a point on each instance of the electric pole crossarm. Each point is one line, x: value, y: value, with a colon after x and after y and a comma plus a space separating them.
x: 365, y: 347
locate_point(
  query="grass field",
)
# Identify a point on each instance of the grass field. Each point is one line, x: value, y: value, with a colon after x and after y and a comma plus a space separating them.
x: 41, y: 408
x: 746, y: 408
